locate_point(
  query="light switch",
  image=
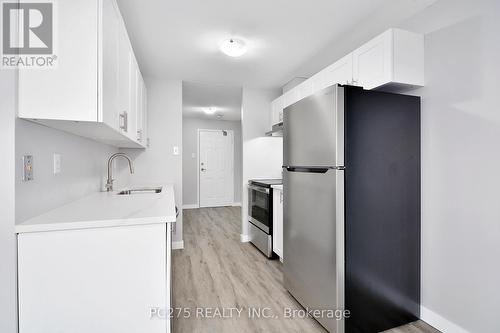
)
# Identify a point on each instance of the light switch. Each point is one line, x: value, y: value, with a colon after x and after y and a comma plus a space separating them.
x: 57, y: 164
x: 176, y: 150
x: 193, y: 155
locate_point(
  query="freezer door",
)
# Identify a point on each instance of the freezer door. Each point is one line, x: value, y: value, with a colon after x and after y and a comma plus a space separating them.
x: 313, y: 236
x: 313, y: 130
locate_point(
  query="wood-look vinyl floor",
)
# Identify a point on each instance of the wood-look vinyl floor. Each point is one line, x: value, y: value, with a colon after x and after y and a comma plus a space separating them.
x: 215, y: 271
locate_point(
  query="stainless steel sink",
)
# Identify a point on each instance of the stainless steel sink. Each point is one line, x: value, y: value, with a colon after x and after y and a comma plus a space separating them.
x: 142, y: 190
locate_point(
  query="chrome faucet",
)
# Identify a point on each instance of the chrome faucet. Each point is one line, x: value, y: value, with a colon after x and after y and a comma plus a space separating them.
x: 109, y: 183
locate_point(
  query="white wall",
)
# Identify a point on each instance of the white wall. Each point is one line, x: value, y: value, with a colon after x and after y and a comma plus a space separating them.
x: 262, y: 156
x: 461, y: 165
x: 157, y: 164
x: 83, y: 168
x: 8, y: 271
x: 190, y: 128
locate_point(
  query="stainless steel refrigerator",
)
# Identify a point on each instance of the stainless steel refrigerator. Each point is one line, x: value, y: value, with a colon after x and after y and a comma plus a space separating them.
x: 351, y: 227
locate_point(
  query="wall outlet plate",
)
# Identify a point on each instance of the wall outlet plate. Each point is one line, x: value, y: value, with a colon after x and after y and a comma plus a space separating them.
x: 27, y: 168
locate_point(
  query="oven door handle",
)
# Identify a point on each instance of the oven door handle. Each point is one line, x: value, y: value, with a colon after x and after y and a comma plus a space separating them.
x: 259, y: 189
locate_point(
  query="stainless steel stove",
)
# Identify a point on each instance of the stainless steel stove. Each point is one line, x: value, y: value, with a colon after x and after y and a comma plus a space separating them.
x: 260, y: 213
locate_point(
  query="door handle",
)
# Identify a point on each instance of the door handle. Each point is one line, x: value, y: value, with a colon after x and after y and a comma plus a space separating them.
x: 259, y: 189
x: 124, y: 121
x: 312, y: 169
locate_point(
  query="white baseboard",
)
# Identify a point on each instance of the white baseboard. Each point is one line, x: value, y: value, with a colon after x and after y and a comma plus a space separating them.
x: 244, y: 238
x: 236, y: 204
x: 438, y: 322
x: 192, y: 206
x: 179, y: 245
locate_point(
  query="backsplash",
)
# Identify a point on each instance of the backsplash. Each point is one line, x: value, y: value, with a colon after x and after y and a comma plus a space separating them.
x: 82, y: 168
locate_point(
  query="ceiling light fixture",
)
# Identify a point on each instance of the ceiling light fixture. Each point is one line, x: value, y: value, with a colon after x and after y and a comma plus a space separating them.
x: 210, y: 110
x: 233, y: 47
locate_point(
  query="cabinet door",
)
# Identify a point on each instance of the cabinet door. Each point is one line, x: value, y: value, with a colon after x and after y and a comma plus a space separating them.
x: 124, y: 81
x: 277, y: 111
x: 133, y: 96
x: 372, y: 62
x: 110, y: 68
x: 278, y: 222
x: 290, y: 97
x: 68, y: 91
x: 140, y: 111
x: 94, y: 280
x: 304, y: 89
x: 144, y: 139
x: 338, y: 73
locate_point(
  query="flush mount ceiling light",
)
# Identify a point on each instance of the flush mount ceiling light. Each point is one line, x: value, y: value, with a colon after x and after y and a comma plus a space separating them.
x: 233, y: 47
x: 210, y: 110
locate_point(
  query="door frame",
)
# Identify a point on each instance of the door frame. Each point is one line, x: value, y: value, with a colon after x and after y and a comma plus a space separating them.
x: 198, y: 161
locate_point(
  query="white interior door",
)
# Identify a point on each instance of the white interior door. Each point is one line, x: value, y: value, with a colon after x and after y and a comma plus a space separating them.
x: 216, y: 172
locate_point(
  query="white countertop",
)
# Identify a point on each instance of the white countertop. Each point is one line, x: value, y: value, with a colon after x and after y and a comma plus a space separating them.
x: 278, y: 187
x: 106, y: 209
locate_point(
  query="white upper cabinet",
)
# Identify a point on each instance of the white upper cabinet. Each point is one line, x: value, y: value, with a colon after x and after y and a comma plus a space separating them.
x: 110, y: 59
x: 140, y: 108
x: 68, y: 91
x: 143, y: 131
x: 277, y: 111
x: 93, y: 90
x: 394, y: 58
x: 338, y: 73
x: 304, y: 89
x: 291, y: 96
x: 373, y: 62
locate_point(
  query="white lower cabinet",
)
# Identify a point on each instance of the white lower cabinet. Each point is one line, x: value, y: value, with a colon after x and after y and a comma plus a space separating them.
x: 278, y: 222
x: 95, y: 280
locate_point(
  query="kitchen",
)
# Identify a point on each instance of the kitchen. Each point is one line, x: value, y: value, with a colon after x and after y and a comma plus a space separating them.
x: 135, y: 59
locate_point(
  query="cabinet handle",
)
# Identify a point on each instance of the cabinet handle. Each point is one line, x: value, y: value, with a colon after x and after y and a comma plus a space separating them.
x: 124, y: 121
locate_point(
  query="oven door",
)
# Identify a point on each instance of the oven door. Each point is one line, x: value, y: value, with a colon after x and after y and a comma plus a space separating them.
x: 259, y: 207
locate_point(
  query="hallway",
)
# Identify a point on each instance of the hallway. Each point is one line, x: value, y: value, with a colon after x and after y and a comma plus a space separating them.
x: 216, y: 271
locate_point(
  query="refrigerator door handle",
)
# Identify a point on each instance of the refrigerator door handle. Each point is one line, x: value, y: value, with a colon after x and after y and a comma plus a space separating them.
x: 312, y: 169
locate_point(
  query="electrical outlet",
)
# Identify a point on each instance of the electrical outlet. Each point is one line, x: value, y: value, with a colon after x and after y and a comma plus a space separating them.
x: 57, y: 164
x: 193, y: 155
x: 27, y: 168
x: 176, y: 150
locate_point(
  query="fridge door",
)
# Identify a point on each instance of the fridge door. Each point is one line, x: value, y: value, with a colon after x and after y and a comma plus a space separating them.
x: 313, y: 235
x: 313, y: 130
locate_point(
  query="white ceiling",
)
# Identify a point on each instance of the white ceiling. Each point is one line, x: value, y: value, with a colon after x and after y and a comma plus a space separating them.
x: 287, y: 38
x: 198, y: 96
